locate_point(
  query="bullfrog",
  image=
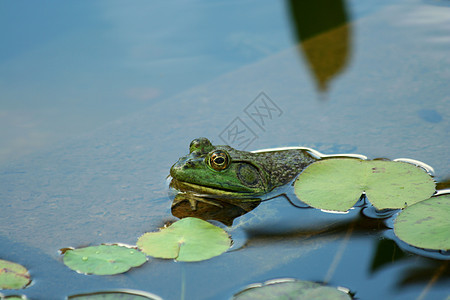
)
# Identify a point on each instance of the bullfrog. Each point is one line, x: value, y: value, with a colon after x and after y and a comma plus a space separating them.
x: 224, y: 171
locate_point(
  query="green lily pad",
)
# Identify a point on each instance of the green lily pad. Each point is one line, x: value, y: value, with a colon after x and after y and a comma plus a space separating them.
x: 122, y: 294
x: 189, y: 239
x: 292, y: 289
x: 337, y: 184
x: 426, y: 224
x: 103, y: 259
x: 13, y: 276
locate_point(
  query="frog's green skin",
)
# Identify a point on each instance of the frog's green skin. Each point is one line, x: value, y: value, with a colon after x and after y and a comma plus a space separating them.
x: 247, y: 174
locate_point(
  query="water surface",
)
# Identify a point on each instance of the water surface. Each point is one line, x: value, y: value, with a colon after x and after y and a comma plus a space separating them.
x: 101, y: 99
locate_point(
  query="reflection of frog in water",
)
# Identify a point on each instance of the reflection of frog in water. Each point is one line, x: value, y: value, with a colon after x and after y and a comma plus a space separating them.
x: 222, y: 170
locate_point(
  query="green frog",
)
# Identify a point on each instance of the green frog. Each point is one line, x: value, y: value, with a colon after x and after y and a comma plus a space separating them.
x: 225, y: 171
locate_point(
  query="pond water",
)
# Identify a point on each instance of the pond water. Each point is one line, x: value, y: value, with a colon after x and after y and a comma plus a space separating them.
x: 98, y: 100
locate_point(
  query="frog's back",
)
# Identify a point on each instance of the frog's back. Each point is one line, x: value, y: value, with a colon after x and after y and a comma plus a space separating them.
x: 282, y: 166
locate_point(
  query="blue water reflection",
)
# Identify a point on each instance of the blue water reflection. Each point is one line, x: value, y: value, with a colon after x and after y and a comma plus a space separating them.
x: 99, y: 99
x: 67, y: 68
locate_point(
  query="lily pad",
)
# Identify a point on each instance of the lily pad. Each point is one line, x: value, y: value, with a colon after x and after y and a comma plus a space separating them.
x: 189, y: 239
x: 13, y: 276
x: 292, y: 289
x: 337, y: 184
x: 426, y: 224
x: 103, y: 259
x: 122, y: 294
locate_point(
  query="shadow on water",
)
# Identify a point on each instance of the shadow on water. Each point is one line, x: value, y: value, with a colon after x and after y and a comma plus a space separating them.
x: 323, y: 32
x: 443, y: 184
x: 429, y: 267
x: 422, y: 270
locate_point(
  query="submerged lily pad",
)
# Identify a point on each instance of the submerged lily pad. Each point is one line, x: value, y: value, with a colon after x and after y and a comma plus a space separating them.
x: 426, y: 224
x: 122, y: 294
x: 13, y: 276
x: 292, y: 289
x: 337, y: 184
x: 103, y: 259
x: 189, y: 239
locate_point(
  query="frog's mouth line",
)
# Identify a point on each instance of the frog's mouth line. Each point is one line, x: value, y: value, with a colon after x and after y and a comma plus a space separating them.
x: 186, y: 186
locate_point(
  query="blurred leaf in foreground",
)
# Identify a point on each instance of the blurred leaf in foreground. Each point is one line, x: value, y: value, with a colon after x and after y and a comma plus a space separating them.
x: 292, y: 289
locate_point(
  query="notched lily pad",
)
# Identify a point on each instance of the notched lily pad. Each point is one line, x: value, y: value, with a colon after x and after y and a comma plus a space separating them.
x: 292, y: 289
x: 189, y: 239
x: 103, y: 259
x: 426, y: 224
x: 13, y: 276
x: 337, y: 184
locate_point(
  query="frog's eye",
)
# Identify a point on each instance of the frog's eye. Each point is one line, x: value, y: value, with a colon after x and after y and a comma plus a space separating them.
x: 219, y: 160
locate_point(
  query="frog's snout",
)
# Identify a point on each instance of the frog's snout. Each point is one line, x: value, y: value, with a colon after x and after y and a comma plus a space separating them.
x: 178, y: 167
x: 175, y: 169
x: 187, y: 168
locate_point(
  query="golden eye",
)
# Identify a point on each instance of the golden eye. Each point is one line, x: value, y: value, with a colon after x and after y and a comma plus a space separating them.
x: 219, y: 160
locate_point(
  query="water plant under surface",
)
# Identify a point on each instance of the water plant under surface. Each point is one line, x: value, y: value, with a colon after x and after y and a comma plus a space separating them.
x: 292, y: 289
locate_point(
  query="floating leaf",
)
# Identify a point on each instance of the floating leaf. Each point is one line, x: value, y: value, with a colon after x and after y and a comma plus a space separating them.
x: 426, y: 224
x: 292, y: 289
x: 122, y: 294
x: 189, y: 239
x: 337, y: 184
x: 13, y: 276
x: 103, y: 259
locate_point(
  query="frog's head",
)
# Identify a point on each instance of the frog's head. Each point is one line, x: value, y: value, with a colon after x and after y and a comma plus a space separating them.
x: 220, y: 170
